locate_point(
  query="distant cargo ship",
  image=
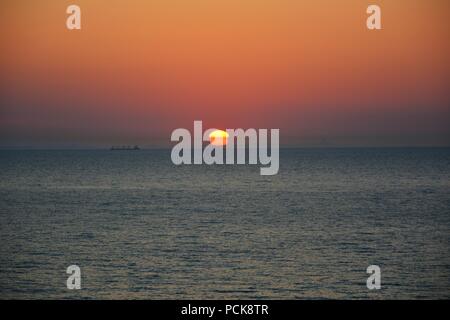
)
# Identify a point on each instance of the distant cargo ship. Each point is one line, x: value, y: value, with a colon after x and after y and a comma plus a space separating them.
x: 125, y: 148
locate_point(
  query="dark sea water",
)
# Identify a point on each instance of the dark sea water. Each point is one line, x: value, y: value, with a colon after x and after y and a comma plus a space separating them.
x: 140, y: 227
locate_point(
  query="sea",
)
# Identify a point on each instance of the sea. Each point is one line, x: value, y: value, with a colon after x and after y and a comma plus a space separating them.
x: 140, y: 227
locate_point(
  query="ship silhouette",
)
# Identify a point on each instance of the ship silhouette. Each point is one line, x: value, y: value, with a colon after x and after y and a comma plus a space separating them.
x: 125, y: 148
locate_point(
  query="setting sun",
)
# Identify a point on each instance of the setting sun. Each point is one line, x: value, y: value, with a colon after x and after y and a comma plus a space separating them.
x: 218, y: 137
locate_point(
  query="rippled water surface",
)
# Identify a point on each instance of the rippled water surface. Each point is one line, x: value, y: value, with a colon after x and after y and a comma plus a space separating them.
x: 141, y: 228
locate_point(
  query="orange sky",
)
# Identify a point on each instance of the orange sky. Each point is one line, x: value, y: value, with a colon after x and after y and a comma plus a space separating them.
x: 139, y: 69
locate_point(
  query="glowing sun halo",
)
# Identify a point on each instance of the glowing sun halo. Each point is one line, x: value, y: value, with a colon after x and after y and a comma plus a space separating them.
x: 218, y: 138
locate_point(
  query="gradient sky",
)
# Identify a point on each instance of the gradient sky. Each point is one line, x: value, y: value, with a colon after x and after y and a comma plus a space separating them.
x: 139, y: 69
